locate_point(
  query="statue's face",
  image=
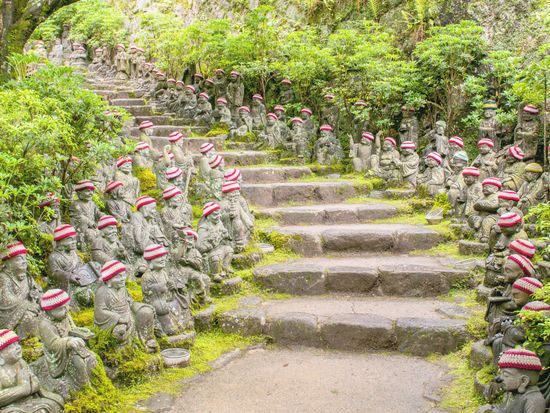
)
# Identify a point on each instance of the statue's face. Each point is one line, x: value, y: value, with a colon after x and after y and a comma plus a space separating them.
x: 11, y: 354
x: 506, y: 204
x: 406, y: 113
x: 110, y: 233
x: 67, y: 244
x: 55, y: 207
x: 431, y: 163
x: 145, y: 153
x: 234, y: 78
x: 511, y: 270
x: 469, y: 179
x: 484, y: 149
x: 17, y: 265
x: 489, y: 189
x: 459, y: 164
x: 512, y: 379
x: 220, y: 106
x: 305, y: 116
x: 531, y: 176
x: 149, y: 210
x: 366, y: 141
x: 202, y: 99
x: 126, y: 168
x: 439, y: 129
x: 279, y: 113
x: 488, y: 113
x: 219, y: 75
x: 85, y: 195
x: 297, y: 126
x: 175, y: 201
x: 510, y: 159
x: 189, y: 94
x: 527, y: 117
x: 387, y: 147
x: 244, y: 114
x: 270, y: 121
x: 190, y: 240
x: 158, y: 263
x: 215, y: 216
x: 520, y: 298
x: 118, y: 281
x: 285, y: 86
x: 58, y: 313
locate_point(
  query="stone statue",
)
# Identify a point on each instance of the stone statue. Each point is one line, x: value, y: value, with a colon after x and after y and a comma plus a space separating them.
x: 463, y: 194
x: 56, y: 54
x: 165, y: 294
x: 489, y: 127
x: 508, y: 202
x: 235, y: 91
x: 433, y: 177
x: 19, y: 293
x: 258, y: 112
x: 437, y: 140
x: 79, y: 57
x: 215, y: 177
x: 220, y: 84
x: 50, y: 217
x: 330, y: 114
x: 519, y: 376
x: 409, y: 163
x: 361, y: 119
x: 208, y: 153
x: 203, y: 116
x: 244, y: 123
x: 131, y: 186
x: 482, y: 220
x: 20, y: 390
x: 121, y: 62
x: 108, y: 246
x: 84, y: 212
x: 388, y: 162
x: 486, y: 161
x: 177, y: 212
x: 198, y: 82
x: 328, y: 150
x: 67, y: 363
x: 66, y: 270
x: 115, y: 202
x: 299, y: 143
x: 189, y: 109
x: 270, y: 136
x: 283, y: 128
x: 511, y: 168
x: 526, y: 134
x: 360, y: 153
x: 236, y: 215
x: 531, y: 192
x: 453, y: 168
x: 182, y: 158
x: 209, y: 87
x: 286, y: 94
x: 308, y: 126
x: 456, y: 145
x: 116, y: 312
x: 221, y: 113
x: 143, y: 156
x: 97, y: 61
x: 166, y: 160
x: 408, y: 128
x: 214, y: 242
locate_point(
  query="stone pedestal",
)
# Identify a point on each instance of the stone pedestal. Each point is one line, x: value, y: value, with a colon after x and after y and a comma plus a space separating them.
x: 472, y: 248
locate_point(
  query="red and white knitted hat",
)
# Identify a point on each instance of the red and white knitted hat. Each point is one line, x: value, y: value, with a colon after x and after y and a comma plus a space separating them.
x: 154, y: 251
x: 121, y: 160
x: 279, y: 108
x: 210, y: 207
x: 257, y: 96
x: 368, y: 135
x: 232, y: 175
x: 146, y: 124
x: 82, y: 185
x: 171, y: 192
x: 326, y: 128
x: 64, y: 231
x: 199, y: 75
x: 223, y: 101
x: 173, y: 172
x: 244, y: 109
x: 230, y: 186
x: 492, y: 181
x: 204, y: 95
x: 272, y: 116
x: 170, y: 156
x: 13, y: 250
x: 533, y: 110
x: 536, y: 306
x: 51, y: 198
x: 144, y: 200
x: 486, y: 142
x: 509, y: 195
x: 191, y: 88
x: 528, y: 285
x: 141, y: 146
x: 329, y: 96
x: 112, y: 185
x: 470, y: 171
x: 209, y: 81
x: 306, y: 110
x: 53, y: 299
x: 519, y: 359
x: 133, y: 47
x: 524, y: 263
x: 297, y: 120
x: 191, y: 233
x: 523, y: 247
x: 215, y: 161
x: 516, y: 152
x: 435, y: 156
x: 408, y: 145
x: 120, y: 46
x: 8, y: 337
x: 509, y: 220
x: 457, y: 140
x: 206, y: 147
x: 175, y: 136
x: 390, y: 140
x: 220, y: 71
x: 360, y: 102
x: 286, y: 81
x: 180, y: 83
x: 107, y: 221
x: 171, y: 81
x: 234, y: 73
x: 111, y: 269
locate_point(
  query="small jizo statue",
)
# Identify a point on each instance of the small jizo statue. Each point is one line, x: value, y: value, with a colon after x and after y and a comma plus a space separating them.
x: 360, y: 153
x: 108, y: 246
x: 408, y: 129
x: 519, y: 375
x: 203, y: 117
x: 220, y: 83
x: 409, y: 163
x: 483, y: 219
x: 215, y: 243
x: 237, y: 219
x: 208, y: 152
x: 433, y: 177
x: 221, y: 113
x: 115, y: 311
x: 146, y: 227
x: 463, y: 197
x: 244, y: 123
x: 270, y: 136
x: 526, y: 134
x: 512, y: 168
x: 177, y: 212
x: 328, y: 149
x: 531, y: 192
x: 19, y: 293
x: 50, y: 217
x: 69, y: 363
x: 84, y: 212
x: 235, y: 91
x: 215, y: 179
x: 298, y: 140
x: 162, y: 292
x: 258, y: 112
x: 486, y: 161
x: 286, y: 94
x: 330, y: 114
x: 279, y: 110
x: 115, y: 202
x: 389, y: 162
x: 308, y: 126
x: 20, y: 390
x: 489, y: 127
x: 438, y: 141
x: 131, y: 188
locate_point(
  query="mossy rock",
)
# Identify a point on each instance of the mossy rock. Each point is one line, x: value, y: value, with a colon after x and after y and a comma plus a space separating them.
x: 83, y: 318
x: 251, y: 256
x: 32, y: 349
x: 217, y: 130
x: 147, y: 179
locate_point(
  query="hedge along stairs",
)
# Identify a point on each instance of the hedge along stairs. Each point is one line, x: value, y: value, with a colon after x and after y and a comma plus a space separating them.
x: 356, y: 289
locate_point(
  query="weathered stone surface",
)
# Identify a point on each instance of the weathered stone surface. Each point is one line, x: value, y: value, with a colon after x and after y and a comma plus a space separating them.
x: 128, y: 102
x: 226, y: 358
x: 294, y: 328
x: 423, y: 336
x: 205, y: 318
x: 399, y: 193
x: 359, y: 332
x: 160, y: 402
x: 140, y: 110
x: 231, y: 285
x: 294, y: 280
x: 270, y: 174
x: 472, y: 247
x: 351, y: 279
x: 480, y: 355
x: 244, y: 321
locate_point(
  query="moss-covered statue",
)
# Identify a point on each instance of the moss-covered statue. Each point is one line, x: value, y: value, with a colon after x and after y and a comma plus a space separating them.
x: 221, y: 113
x: 243, y: 124
x: 298, y: 142
x: 388, y: 162
x: 50, y: 215
x: 116, y: 205
x: 108, y: 246
x: 79, y: 57
x: 215, y: 243
x: 189, y: 109
x: 526, y: 134
x: 131, y: 188
x: 286, y: 94
x: 489, y: 127
x: 330, y: 114
x: 512, y: 168
x: 270, y: 136
x: 66, y: 270
x: 279, y: 110
x: 433, y: 177
x: 236, y: 216
x: 328, y: 150
x: 437, y: 139
x: 409, y: 163
x: 84, y: 212
x: 20, y: 390
x: 19, y: 293
x: 67, y: 364
x: 258, y: 112
x: 220, y: 84
x: 198, y: 82
x: 177, y: 212
x: 486, y: 161
x: 483, y: 218
x: 165, y: 294
x: 121, y: 62
x: 463, y: 196
x: 203, y: 116
x: 308, y: 125
x: 408, y: 128
x: 532, y: 191
x: 361, y: 153
x: 519, y: 375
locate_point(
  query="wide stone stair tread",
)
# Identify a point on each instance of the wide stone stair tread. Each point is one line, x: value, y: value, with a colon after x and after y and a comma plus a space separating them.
x: 283, y: 193
x: 313, y: 240
x: 141, y: 110
x: 241, y: 158
x: 343, y: 322
x: 390, y: 275
x: 193, y: 144
x: 328, y: 213
x: 272, y: 174
x: 162, y: 120
x: 128, y: 102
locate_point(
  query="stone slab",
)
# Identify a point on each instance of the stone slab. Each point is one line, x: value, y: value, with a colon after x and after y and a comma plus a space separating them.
x: 480, y: 355
x: 316, y: 240
x: 142, y: 110
x: 329, y: 213
x: 270, y: 174
x: 399, y: 275
x: 466, y: 247
x: 127, y: 102
x: 283, y: 193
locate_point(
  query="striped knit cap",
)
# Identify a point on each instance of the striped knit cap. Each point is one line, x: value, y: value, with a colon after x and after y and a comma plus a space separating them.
x: 279, y: 108
x: 191, y: 233
x: 524, y: 263
x: 122, y: 160
x: 230, y: 186
x: 232, y: 175
x: 154, y: 251
x: 297, y: 120
x: 519, y: 359
x: 368, y: 135
x: 204, y: 95
x: 436, y: 157
x: 527, y: 284
x: 112, y: 185
x: 257, y: 97
x: 111, y: 269
x: 175, y: 136
x: 306, y: 110
x: 144, y: 200
x: 209, y: 207
x: 509, y: 195
x: 8, y: 337
x: 486, y: 142
x: 509, y: 220
x: 82, y: 185
x: 64, y: 231
x: 272, y: 116
x: 391, y: 141
x: 516, y: 152
x: 206, y: 147
x: 173, y: 172
x: 457, y: 140
x: 222, y: 101
x: 14, y: 250
x: 492, y: 181
x: 146, y: 124
x: 470, y: 171
x: 523, y: 247
x: 530, y: 109
x: 408, y: 145
x: 326, y: 128
x: 244, y: 109
x: 107, y: 221
x: 536, y: 306
x: 52, y: 299
x: 170, y: 156
x: 191, y: 88
x: 215, y: 161
x: 141, y: 146
x: 171, y: 192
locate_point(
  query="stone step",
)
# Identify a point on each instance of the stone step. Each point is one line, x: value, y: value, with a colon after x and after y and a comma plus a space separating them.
x: 128, y: 102
x: 328, y: 213
x: 283, y: 193
x: 242, y: 146
x: 242, y: 158
x: 315, y: 240
x: 145, y: 110
x: 270, y: 174
x: 408, y: 325
x: 109, y: 94
x: 193, y: 144
x: 161, y: 120
x: 391, y: 275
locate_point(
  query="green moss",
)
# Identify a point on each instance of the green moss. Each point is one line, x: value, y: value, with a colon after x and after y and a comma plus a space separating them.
x: 217, y: 130
x: 135, y: 290
x: 84, y: 318
x: 32, y: 349
x: 248, y: 137
x: 148, y: 182
x: 476, y: 324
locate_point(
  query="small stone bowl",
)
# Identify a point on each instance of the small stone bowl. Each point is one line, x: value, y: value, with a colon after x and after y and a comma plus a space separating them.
x: 176, y: 357
x: 435, y: 216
